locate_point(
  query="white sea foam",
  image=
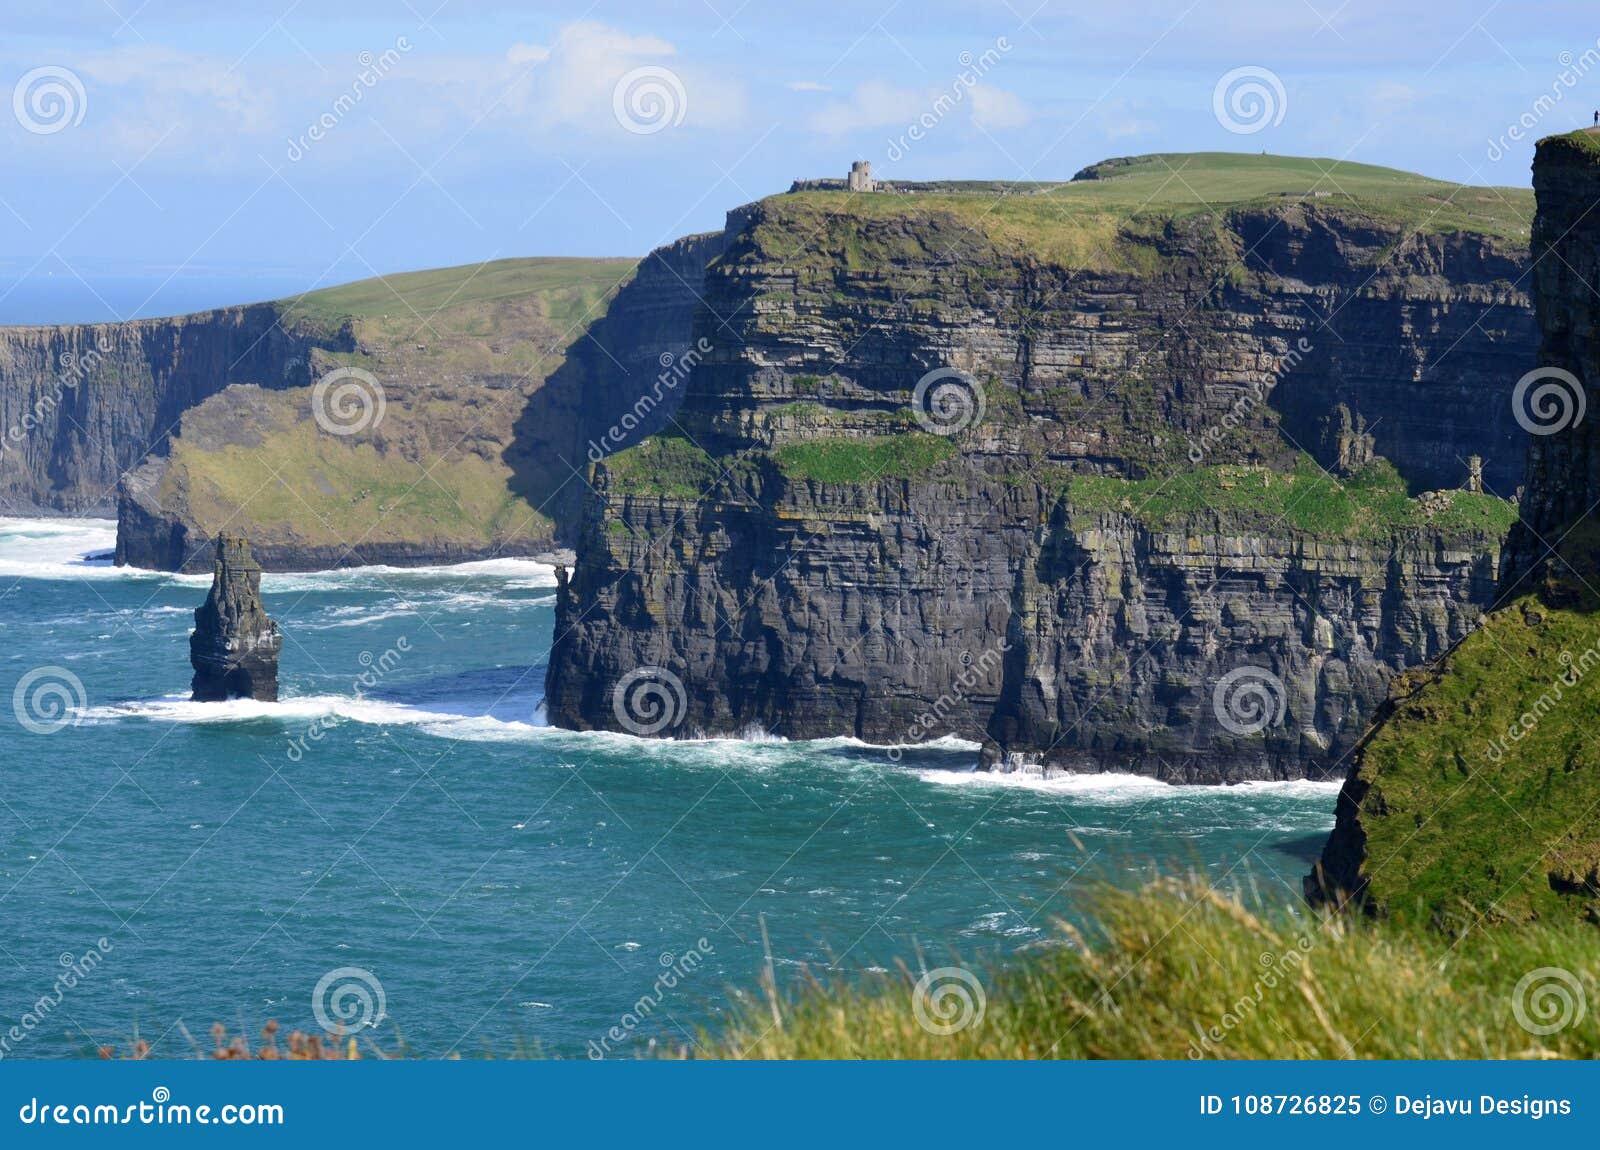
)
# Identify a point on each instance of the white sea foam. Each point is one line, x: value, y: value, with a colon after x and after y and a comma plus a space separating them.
x: 57, y: 548
x: 1101, y: 784
x: 45, y: 548
x: 509, y: 574
x: 756, y: 751
x: 1112, y: 785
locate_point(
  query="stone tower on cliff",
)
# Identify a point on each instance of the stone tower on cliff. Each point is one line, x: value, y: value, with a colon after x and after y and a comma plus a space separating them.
x: 234, y: 647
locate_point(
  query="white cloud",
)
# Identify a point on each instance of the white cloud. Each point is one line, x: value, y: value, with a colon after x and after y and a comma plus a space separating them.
x: 159, y: 105
x: 574, y: 85
x: 872, y: 105
x: 521, y: 54
x: 994, y: 109
x: 181, y: 85
x: 807, y: 86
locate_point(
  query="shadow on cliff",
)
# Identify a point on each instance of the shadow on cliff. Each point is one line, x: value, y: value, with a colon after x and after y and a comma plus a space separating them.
x: 620, y: 382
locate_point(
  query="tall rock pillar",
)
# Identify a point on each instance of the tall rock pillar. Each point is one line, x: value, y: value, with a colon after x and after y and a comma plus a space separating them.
x: 234, y: 647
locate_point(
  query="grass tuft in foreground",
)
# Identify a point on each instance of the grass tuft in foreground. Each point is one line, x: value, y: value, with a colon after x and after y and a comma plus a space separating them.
x: 1179, y: 970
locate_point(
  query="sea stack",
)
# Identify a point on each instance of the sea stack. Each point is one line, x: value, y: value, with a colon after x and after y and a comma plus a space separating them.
x: 234, y: 647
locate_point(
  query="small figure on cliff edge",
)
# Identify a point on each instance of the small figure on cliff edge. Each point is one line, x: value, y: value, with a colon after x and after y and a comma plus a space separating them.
x: 234, y: 647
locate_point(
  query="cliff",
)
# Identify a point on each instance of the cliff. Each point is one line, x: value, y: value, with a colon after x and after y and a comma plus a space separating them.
x: 453, y: 426
x: 1036, y: 470
x: 1473, y: 799
x: 81, y: 405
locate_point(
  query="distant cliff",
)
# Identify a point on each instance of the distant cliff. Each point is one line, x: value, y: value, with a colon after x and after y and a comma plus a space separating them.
x: 1036, y: 471
x: 479, y: 389
x: 1472, y: 800
x: 80, y: 405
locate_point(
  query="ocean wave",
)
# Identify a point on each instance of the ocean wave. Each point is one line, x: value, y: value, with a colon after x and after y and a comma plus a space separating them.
x: 508, y: 574
x: 365, y: 616
x: 297, y: 711
x: 755, y: 750
x: 57, y: 548
x: 1115, y: 785
x: 43, y: 548
x: 1107, y: 785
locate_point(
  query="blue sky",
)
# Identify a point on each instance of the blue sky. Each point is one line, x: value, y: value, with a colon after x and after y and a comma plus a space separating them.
x: 162, y: 142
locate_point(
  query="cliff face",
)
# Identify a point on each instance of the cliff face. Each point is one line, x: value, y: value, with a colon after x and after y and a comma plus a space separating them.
x: 621, y: 380
x: 810, y: 560
x: 80, y: 405
x: 1472, y: 799
x: 493, y: 395
x: 1082, y: 643
x: 1557, y: 401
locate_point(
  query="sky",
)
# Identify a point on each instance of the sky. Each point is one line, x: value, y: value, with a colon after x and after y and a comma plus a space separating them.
x: 167, y: 154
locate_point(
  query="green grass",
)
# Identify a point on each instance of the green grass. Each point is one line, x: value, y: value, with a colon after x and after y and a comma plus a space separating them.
x: 663, y: 465
x: 1372, y: 505
x: 1101, y: 222
x: 1584, y: 141
x: 1181, y: 971
x: 457, y: 351
x: 1485, y: 782
x: 569, y: 286
x: 864, y: 459
x: 256, y: 461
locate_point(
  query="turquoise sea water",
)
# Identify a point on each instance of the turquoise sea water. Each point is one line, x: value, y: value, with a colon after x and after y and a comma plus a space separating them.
x: 403, y: 829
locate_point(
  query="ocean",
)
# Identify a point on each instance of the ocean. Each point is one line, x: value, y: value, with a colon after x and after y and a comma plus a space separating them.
x: 404, y: 845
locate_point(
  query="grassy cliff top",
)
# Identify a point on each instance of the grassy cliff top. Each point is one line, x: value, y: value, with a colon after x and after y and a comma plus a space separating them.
x: 456, y: 352
x: 1143, y: 192
x: 568, y: 289
x: 1582, y: 142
